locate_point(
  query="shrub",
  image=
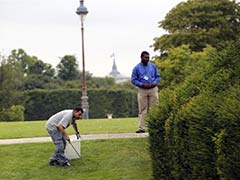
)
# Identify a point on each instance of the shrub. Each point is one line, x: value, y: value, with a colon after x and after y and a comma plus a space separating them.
x: 195, y: 129
x: 14, y: 113
x: 227, y: 139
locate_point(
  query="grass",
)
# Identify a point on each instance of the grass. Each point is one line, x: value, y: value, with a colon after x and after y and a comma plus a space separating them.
x: 117, y: 159
x: 9, y: 130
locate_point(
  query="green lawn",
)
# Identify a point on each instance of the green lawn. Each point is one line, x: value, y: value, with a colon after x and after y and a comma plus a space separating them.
x: 25, y: 129
x: 126, y: 159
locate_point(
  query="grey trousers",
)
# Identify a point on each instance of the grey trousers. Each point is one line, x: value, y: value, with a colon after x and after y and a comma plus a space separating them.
x: 146, y: 98
x: 60, y: 144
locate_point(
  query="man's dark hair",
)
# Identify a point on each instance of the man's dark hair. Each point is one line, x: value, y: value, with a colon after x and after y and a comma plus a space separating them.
x: 78, y: 109
x: 144, y: 53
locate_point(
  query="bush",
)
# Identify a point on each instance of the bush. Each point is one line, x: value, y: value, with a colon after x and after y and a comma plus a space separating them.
x: 195, y: 129
x: 14, y: 113
x: 227, y: 139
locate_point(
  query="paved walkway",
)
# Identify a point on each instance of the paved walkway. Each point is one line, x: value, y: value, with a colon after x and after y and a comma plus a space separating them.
x: 83, y: 138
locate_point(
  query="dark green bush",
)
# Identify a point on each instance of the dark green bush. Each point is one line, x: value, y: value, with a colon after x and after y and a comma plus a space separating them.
x: 227, y: 138
x: 195, y: 128
x: 156, y: 119
x: 41, y: 104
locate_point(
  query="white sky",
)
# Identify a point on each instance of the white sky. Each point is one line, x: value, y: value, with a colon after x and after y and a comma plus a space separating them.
x: 50, y: 29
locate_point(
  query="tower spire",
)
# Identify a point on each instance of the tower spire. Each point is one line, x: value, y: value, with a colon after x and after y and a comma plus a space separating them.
x: 114, y: 66
x: 115, y: 73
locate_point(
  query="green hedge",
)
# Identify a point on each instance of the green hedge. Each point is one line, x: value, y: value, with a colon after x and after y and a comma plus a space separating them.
x: 195, y: 128
x: 41, y: 104
x: 227, y: 139
x: 199, y: 140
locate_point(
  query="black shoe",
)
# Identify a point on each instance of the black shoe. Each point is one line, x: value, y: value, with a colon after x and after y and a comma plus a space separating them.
x: 140, y: 131
x: 53, y: 163
x: 66, y: 164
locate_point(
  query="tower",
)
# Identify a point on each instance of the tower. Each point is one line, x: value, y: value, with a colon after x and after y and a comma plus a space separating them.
x: 115, y: 74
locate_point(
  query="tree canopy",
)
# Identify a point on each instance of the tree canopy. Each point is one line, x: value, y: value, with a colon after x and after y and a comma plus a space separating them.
x: 68, y: 68
x: 31, y: 64
x: 198, y: 23
x: 11, y: 79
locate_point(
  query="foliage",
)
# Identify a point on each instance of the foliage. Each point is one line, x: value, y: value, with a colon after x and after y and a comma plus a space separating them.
x: 34, y: 73
x: 194, y: 129
x: 198, y: 23
x: 31, y: 64
x: 14, y: 113
x: 68, y: 68
x: 100, y: 83
x: 227, y: 138
x: 38, y: 81
x: 102, y: 159
x: 22, y: 73
x: 120, y: 103
x: 11, y: 78
x: 181, y: 62
x: 92, y: 83
x: 156, y: 124
x: 41, y: 104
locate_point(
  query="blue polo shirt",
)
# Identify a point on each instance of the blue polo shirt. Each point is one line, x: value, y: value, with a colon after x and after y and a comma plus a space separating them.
x: 145, y: 74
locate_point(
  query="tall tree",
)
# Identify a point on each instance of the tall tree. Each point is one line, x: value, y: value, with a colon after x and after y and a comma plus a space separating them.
x: 19, y: 55
x: 36, y: 72
x: 31, y: 64
x: 39, y: 67
x: 200, y: 22
x: 68, y: 68
x: 11, y: 79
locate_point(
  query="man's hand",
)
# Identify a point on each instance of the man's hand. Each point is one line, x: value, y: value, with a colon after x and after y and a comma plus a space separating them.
x: 61, y: 129
x: 153, y: 85
x: 67, y: 138
x: 146, y: 86
x: 78, y: 135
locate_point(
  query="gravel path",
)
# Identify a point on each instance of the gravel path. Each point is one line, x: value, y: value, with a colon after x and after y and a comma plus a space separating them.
x: 83, y: 138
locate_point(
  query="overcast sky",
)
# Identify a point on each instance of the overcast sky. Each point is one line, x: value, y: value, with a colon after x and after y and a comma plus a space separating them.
x: 50, y: 29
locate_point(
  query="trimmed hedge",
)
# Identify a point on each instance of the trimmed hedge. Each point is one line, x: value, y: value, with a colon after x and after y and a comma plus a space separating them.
x: 41, y: 104
x: 227, y: 139
x: 195, y: 128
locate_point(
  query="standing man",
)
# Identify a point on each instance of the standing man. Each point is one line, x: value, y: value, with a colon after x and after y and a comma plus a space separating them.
x: 145, y: 76
x: 56, y: 126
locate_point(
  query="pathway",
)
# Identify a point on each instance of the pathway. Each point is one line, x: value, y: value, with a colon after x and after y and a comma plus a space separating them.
x: 83, y: 138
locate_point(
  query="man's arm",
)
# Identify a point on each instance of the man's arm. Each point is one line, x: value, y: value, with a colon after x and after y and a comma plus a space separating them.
x: 76, y: 130
x: 135, y: 78
x: 75, y: 127
x: 62, y: 130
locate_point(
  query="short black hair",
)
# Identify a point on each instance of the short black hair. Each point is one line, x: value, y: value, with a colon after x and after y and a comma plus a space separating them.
x: 144, y: 53
x: 78, y: 109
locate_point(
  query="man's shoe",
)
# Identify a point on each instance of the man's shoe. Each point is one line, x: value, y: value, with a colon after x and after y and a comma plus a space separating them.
x: 140, y: 131
x: 66, y: 164
x: 53, y: 163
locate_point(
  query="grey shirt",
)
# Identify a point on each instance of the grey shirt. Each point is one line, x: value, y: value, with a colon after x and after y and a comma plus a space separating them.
x: 65, y: 118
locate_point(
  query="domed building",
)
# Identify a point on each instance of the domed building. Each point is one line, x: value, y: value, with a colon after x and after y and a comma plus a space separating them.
x: 115, y: 74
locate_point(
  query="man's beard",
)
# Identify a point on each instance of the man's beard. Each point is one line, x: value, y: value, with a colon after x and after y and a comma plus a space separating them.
x: 145, y: 63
